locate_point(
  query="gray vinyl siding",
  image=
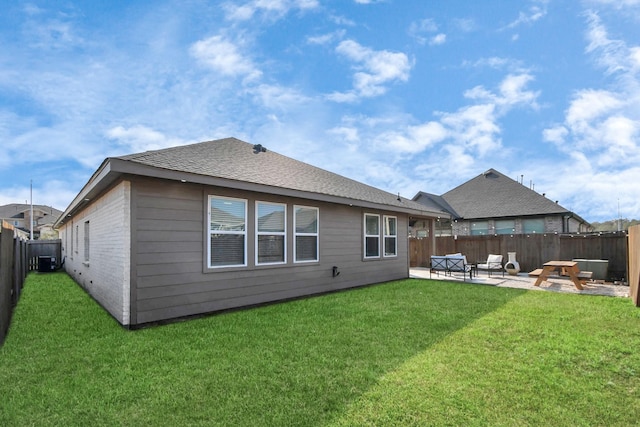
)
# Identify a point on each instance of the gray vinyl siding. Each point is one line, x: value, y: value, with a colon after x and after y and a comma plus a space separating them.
x: 169, y: 268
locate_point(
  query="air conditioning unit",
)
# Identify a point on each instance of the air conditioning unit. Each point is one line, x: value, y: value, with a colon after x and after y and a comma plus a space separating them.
x: 46, y: 264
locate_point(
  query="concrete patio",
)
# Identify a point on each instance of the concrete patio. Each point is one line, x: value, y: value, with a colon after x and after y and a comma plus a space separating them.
x: 524, y: 281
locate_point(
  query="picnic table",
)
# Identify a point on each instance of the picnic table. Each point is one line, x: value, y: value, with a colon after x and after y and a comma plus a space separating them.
x: 569, y: 268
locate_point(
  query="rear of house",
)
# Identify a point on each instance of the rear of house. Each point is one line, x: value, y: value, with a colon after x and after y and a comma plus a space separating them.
x: 212, y: 226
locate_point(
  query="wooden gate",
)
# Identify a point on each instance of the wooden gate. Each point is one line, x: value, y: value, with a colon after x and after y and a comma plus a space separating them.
x: 420, y: 251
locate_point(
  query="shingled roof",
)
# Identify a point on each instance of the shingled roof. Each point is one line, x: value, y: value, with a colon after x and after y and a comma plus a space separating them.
x: 494, y: 195
x: 18, y: 211
x: 232, y: 163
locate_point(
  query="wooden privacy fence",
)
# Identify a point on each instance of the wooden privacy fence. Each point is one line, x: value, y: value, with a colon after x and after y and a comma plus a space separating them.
x: 634, y: 264
x: 49, y: 248
x: 13, y: 271
x: 531, y: 250
x: 18, y: 257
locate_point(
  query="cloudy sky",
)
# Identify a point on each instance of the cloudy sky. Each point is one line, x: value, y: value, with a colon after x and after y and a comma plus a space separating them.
x: 405, y: 95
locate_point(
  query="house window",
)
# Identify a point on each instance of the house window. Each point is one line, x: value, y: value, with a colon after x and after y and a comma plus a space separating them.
x: 306, y: 240
x: 479, y: 228
x: 533, y: 225
x: 227, y: 242
x: 71, y: 241
x: 505, y: 226
x: 371, y: 236
x: 86, y: 241
x: 390, y: 236
x: 77, y: 233
x: 270, y: 235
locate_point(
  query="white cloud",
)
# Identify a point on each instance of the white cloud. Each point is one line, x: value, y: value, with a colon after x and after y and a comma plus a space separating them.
x: 618, y: 4
x: 601, y: 130
x: 613, y: 55
x: 273, y: 9
x: 51, y: 31
x: 326, y: 38
x: 141, y: 138
x: 512, y: 91
x: 427, y: 25
x: 588, y: 105
x: 224, y: 56
x: 466, y: 25
x: 459, y: 137
x: 423, y: 31
x: 277, y: 97
x: 530, y: 16
x: 474, y: 128
x: 55, y: 193
x: 498, y: 63
x: 555, y: 134
x: 604, y: 124
x: 438, y: 39
x: 374, y: 69
x: 347, y: 133
x: 416, y: 138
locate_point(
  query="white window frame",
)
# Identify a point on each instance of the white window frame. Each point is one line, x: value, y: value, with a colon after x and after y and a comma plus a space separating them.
x: 385, y: 236
x: 296, y: 234
x: 282, y: 233
x: 230, y: 232
x: 370, y: 236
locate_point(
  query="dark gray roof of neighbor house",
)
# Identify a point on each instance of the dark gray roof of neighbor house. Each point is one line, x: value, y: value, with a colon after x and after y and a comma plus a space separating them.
x: 18, y: 210
x: 494, y: 195
x: 233, y: 163
x: 435, y: 203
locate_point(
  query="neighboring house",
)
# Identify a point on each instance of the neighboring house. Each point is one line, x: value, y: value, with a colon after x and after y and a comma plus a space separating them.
x: 19, y: 215
x: 222, y: 224
x: 493, y: 203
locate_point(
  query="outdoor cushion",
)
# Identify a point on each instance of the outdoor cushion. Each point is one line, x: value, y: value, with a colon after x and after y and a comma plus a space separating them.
x: 494, y: 262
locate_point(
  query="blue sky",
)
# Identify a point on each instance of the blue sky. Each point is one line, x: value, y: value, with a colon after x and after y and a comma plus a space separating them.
x: 405, y: 95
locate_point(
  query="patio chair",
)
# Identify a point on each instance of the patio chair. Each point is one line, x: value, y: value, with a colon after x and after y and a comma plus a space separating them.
x: 494, y: 263
x: 458, y: 263
x: 451, y: 263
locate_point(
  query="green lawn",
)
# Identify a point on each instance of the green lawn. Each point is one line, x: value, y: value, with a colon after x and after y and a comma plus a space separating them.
x: 412, y: 352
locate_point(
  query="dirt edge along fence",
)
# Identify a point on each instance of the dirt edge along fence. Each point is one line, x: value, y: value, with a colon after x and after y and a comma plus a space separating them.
x: 532, y: 250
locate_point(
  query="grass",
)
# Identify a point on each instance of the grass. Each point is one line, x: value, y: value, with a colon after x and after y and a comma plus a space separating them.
x: 410, y: 352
